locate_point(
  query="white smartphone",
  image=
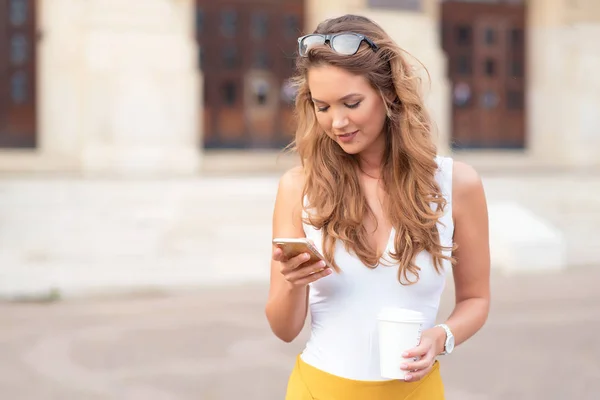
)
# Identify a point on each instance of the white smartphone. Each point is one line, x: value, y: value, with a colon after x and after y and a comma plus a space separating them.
x: 292, y: 247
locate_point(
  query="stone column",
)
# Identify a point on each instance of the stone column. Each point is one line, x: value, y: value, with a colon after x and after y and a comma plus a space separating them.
x: 564, y: 86
x: 141, y: 87
x: 60, y: 85
x: 319, y: 10
x: 119, y: 87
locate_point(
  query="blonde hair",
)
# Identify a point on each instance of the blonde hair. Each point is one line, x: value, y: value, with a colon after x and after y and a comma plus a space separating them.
x: 336, y: 204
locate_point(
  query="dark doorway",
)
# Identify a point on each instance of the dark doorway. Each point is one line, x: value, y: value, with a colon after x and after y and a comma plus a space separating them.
x: 485, y: 46
x: 247, y: 50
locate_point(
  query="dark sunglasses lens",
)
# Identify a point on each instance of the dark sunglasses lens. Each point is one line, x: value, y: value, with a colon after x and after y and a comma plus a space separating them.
x: 309, y: 42
x: 346, y: 44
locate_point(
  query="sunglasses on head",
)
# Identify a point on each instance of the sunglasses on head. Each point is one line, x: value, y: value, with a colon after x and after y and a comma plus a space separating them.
x: 346, y: 43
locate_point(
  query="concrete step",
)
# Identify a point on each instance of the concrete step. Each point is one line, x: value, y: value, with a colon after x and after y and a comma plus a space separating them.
x: 84, y: 235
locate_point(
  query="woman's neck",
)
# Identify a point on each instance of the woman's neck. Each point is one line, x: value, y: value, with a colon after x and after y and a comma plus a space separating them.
x: 370, y: 160
x: 370, y: 165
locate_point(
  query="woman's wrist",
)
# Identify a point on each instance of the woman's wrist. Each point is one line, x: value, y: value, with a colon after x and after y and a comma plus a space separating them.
x: 440, y: 340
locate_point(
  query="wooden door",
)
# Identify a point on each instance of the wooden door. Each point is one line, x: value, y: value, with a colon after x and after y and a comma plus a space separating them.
x: 17, y: 74
x: 247, y: 48
x: 485, y: 46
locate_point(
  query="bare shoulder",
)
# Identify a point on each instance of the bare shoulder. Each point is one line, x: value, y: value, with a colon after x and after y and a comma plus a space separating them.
x: 291, y: 186
x: 467, y: 187
x: 287, y: 216
x: 292, y: 181
x: 465, y: 179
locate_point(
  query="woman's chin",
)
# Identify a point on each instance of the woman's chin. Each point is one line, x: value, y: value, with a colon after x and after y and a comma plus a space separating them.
x: 350, y: 148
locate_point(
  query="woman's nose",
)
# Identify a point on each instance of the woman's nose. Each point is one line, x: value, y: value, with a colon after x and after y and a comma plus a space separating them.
x: 340, y: 120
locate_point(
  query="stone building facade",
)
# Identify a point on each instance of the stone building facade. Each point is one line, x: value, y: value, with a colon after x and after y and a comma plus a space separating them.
x: 157, y: 86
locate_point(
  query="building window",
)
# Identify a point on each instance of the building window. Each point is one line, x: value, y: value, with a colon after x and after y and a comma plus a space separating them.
x: 229, y: 93
x: 18, y: 87
x: 489, y: 36
x: 463, y: 35
x: 489, y: 99
x: 516, y: 69
x: 490, y: 67
x: 462, y: 95
x: 261, y: 90
x: 463, y: 65
x: 260, y: 25
x: 230, y: 57
x: 228, y: 23
x: 199, y: 21
x: 516, y: 38
x: 291, y: 26
x: 261, y: 59
x: 18, y: 49
x: 17, y: 12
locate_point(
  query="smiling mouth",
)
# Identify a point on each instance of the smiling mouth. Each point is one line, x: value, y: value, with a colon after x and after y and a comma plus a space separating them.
x: 347, y: 137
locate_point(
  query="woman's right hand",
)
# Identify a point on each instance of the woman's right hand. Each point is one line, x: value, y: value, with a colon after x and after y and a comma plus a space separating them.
x: 297, y: 271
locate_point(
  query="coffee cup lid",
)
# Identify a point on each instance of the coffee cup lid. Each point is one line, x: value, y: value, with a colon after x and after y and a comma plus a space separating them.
x: 394, y: 314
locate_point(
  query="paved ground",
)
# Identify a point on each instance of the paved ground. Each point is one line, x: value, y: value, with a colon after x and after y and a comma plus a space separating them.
x: 541, y: 342
x: 83, y: 236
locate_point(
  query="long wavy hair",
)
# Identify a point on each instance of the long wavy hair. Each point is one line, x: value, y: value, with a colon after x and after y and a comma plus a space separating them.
x: 336, y: 203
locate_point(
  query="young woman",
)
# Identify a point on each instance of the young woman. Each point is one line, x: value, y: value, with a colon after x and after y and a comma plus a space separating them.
x: 390, y: 216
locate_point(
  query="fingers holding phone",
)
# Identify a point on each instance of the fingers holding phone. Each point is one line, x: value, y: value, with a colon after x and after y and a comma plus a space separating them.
x: 299, y: 272
x: 301, y: 262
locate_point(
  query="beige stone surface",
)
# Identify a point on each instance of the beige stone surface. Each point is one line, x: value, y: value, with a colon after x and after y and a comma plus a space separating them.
x: 71, y: 237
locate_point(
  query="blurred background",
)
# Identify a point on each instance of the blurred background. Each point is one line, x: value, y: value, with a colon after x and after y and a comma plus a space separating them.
x: 140, y: 150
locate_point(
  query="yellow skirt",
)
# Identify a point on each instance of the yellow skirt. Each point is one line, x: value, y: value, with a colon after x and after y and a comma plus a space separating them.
x: 309, y: 383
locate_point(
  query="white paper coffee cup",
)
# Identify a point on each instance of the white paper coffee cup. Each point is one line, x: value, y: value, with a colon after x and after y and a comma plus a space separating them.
x: 399, y: 330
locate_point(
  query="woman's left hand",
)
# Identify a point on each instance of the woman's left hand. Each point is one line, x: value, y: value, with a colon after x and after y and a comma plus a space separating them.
x: 431, y: 344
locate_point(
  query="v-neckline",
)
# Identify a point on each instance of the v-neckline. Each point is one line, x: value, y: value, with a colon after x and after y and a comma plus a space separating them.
x: 386, y: 248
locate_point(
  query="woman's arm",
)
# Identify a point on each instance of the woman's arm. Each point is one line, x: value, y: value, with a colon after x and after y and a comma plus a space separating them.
x: 287, y: 306
x: 471, y: 272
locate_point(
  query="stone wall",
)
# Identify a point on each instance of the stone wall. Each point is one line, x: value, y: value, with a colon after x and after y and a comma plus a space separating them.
x: 564, y: 89
x: 119, y: 88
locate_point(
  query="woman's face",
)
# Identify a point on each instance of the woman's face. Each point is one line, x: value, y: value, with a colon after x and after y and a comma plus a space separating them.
x: 348, y: 109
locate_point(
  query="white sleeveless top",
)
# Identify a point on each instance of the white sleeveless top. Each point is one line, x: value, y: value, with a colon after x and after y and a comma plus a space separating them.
x: 344, y: 307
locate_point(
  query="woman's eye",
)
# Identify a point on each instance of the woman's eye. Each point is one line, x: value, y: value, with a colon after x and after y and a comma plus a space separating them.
x: 322, y: 109
x: 353, y: 105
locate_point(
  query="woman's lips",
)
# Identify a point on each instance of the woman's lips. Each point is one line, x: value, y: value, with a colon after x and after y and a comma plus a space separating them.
x: 347, y: 137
